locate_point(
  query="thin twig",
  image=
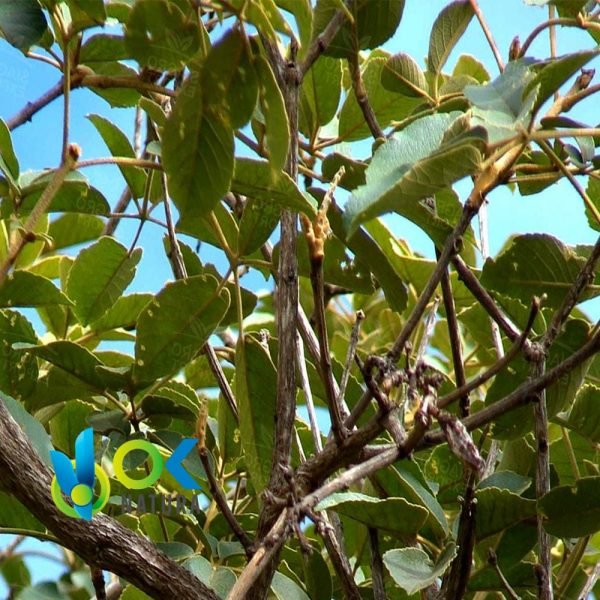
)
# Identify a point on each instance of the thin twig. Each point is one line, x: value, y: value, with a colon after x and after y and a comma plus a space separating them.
x: 449, y: 250
x: 376, y: 566
x: 591, y: 582
x: 565, y: 22
x: 316, y: 233
x: 359, y: 317
x: 552, y: 37
x: 493, y: 560
x: 525, y: 392
x: 542, y: 479
x: 428, y: 331
x: 175, y: 255
x: 572, y: 179
x: 457, y: 577
x: 322, y: 41
x: 362, y: 98
x: 500, y: 364
x: 488, y: 34
x: 494, y: 450
x: 21, y: 238
x: 305, y: 385
x: 584, y: 278
x: 264, y: 555
x: 485, y: 300
x: 66, y: 98
x: 98, y: 582
x: 221, y: 502
x: 455, y: 342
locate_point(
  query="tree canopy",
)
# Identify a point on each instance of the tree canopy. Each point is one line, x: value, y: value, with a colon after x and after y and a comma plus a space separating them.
x: 365, y: 422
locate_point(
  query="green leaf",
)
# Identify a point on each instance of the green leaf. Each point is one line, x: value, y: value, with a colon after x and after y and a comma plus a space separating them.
x: 116, y: 97
x: 559, y: 395
x: 8, y: 161
x: 573, y: 511
x: 72, y: 197
x: 448, y: 28
x: 285, y: 588
x: 256, y: 393
x: 75, y: 360
x: 15, y: 572
x: 369, y: 252
x: 259, y: 219
x: 73, y: 228
x: 406, y: 481
x: 397, y: 515
x: 14, y: 514
x: 119, y: 145
x: 469, y: 65
x: 123, y: 313
x: 386, y: 105
x: 32, y: 428
x: 504, y: 106
x: 21, y: 288
x: 320, y: 95
x: 412, y: 165
x: 593, y: 191
x: 498, y: 509
x: 556, y: 72
x: 99, y: 277
x: 103, y: 47
x: 274, y: 115
x: 585, y: 414
x: 255, y: 179
x: 94, y: 9
x: 413, y: 570
x: 506, y: 480
x: 174, y: 399
x: 229, y: 80
x: 354, y: 170
x: 197, y: 152
x: 263, y: 14
x: 534, y: 264
x: 403, y: 75
x: 18, y: 371
x: 68, y: 424
x: 22, y: 23
x: 158, y: 35
x: 375, y: 22
x: 176, y: 324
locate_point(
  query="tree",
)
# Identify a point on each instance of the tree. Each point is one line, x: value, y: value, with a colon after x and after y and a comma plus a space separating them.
x: 451, y: 448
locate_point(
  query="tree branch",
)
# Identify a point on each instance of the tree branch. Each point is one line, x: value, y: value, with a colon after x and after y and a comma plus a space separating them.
x: 584, y: 278
x: 500, y: 364
x: 322, y: 41
x: 362, y: 98
x: 221, y: 502
x: 487, y: 33
x: 103, y: 541
x: 376, y: 566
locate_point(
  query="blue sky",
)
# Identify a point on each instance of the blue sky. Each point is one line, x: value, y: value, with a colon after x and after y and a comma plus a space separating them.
x: 557, y: 211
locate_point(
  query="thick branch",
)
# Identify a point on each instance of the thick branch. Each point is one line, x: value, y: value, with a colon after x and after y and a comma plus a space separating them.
x: 103, y: 541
